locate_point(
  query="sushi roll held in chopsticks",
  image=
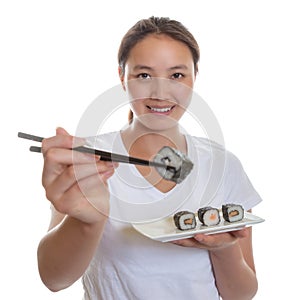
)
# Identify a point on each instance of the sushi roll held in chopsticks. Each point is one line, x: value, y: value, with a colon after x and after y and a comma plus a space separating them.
x: 232, y: 212
x: 181, y: 164
x: 185, y: 220
x: 209, y: 216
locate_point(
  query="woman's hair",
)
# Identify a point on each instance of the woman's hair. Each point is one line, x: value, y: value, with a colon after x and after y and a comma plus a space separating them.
x: 156, y: 25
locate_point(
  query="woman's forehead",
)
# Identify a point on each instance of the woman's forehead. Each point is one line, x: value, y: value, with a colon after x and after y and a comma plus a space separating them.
x: 160, y: 51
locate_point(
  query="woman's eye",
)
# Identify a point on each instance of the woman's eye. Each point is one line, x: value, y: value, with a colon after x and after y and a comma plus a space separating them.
x: 177, y: 75
x: 144, y: 76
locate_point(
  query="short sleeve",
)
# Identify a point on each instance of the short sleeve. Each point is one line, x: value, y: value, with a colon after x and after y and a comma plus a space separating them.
x: 237, y: 186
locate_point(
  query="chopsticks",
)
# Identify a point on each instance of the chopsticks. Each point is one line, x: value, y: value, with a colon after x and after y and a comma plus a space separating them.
x: 105, y: 156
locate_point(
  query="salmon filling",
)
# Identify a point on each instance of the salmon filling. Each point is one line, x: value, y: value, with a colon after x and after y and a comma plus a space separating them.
x: 188, y: 221
x: 234, y: 213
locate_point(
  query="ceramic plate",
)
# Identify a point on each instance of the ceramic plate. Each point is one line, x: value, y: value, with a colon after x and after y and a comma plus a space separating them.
x: 165, y: 230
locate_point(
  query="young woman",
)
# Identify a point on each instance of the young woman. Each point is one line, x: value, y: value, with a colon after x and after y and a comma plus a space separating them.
x: 90, y: 234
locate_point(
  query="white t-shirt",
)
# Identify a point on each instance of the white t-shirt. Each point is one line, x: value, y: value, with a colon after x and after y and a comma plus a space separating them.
x: 128, y: 265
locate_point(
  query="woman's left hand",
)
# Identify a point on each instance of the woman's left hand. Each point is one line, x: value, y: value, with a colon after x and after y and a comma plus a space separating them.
x: 213, y: 242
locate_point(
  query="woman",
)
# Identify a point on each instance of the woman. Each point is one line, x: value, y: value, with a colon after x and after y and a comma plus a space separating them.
x: 89, y: 234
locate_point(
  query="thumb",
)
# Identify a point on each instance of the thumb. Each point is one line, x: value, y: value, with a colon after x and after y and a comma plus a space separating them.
x: 61, y: 131
x: 241, y: 233
x: 76, y: 141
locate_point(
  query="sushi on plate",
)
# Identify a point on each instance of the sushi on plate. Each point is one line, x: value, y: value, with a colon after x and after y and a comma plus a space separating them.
x: 209, y: 216
x: 185, y: 220
x: 232, y: 212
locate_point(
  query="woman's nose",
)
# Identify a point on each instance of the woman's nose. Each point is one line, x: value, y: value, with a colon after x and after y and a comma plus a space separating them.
x: 160, y: 89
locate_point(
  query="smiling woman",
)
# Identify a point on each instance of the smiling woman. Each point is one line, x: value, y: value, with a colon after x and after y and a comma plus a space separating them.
x: 157, y: 30
x: 95, y: 202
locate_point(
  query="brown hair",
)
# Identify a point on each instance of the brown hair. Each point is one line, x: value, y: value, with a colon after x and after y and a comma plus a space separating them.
x: 156, y: 25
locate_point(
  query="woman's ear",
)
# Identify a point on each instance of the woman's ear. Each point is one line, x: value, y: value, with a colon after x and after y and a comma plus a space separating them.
x: 196, y: 71
x: 121, y: 76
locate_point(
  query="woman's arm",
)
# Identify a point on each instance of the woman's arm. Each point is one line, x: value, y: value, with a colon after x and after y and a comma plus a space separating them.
x: 232, y: 262
x: 76, y: 185
x: 234, y: 269
x: 65, y: 252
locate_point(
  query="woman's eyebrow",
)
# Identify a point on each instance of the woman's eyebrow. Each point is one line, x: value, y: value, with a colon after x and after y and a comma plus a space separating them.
x: 142, y: 67
x: 184, y: 67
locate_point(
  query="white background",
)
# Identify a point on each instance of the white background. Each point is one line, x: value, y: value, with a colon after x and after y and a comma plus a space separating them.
x: 58, y: 56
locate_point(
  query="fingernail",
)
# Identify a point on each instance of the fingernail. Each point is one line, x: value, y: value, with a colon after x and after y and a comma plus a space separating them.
x: 109, y: 164
x: 199, y: 238
x: 77, y: 141
x: 112, y: 164
x: 91, y: 157
x: 108, y: 173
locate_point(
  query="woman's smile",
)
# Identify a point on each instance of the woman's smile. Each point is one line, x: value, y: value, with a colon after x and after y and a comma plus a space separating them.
x: 161, y: 110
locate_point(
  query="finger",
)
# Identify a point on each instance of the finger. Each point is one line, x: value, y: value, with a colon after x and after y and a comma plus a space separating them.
x: 61, y: 131
x: 77, y: 141
x: 242, y: 233
x: 207, y: 240
x: 215, y: 240
x: 67, y: 157
x: 57, y: 160
x: 61, y: 141
x: 190, y: 242
x: 85, y: 197
x: 73, y: 174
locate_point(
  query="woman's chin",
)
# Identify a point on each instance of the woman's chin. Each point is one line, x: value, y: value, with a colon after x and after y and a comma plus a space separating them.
x: 157, y: 123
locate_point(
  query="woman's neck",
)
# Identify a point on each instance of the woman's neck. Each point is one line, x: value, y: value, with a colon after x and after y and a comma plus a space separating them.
x: 142, y: 141
x: 145, y: 143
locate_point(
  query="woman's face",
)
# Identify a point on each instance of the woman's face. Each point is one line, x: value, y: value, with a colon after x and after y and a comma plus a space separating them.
x: 159, y: 76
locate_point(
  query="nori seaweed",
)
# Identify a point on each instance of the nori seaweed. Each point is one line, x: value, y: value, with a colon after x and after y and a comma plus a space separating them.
x: 179, y: 214
x: 225, y: 208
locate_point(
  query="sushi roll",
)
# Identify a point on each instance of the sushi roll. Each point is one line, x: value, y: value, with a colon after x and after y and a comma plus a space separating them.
x: 180, y: 163
x: 232, y: 212
x: 185, y: 220
x: 209, y: 216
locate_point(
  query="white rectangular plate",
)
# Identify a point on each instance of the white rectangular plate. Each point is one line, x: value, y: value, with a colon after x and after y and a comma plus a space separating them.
x: 165, y: 230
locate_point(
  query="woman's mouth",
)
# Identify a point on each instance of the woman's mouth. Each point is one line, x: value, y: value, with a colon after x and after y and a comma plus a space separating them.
x: 160, y: 110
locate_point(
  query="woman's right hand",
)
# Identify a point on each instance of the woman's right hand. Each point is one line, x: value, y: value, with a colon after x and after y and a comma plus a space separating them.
x: 75, y: 182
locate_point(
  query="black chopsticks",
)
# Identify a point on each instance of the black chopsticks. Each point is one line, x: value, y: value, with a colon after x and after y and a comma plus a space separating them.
x: 105, y: 156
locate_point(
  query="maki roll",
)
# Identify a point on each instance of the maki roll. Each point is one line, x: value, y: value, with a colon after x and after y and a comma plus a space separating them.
x: 232, y: 212
x: 185, y: 220
x: 179, y: 164
x: 209, y: 216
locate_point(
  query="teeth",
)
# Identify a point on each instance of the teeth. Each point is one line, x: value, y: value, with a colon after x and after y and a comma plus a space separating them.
x: 161, y: 110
